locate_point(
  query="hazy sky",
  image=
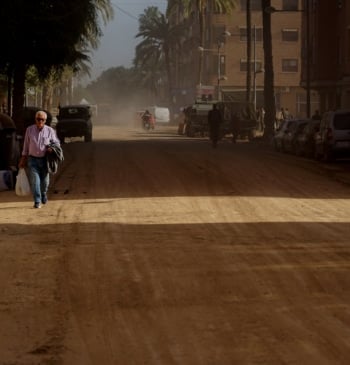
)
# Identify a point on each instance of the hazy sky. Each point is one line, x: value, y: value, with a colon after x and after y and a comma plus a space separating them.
x: 118, y: 43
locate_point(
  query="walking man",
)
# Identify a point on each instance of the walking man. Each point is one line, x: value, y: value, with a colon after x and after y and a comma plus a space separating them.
x: 37, y: 141
x: 214, y: 121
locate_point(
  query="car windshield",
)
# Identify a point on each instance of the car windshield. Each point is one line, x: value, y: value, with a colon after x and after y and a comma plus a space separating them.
x: 342, y: 121
x: 74, y: 113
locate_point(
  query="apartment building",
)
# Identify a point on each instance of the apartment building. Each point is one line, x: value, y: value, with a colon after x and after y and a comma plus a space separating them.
x: 224, y: 72
x: 329, y: 52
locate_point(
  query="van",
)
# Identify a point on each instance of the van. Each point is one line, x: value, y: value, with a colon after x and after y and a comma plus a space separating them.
x: 333, y: 139
x: 161, y: 114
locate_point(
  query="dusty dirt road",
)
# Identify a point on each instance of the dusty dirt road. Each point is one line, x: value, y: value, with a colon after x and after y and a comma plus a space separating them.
x: 155, y: 249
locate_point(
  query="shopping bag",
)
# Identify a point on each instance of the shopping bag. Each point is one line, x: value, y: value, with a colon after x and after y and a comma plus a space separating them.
x: 22, y: 187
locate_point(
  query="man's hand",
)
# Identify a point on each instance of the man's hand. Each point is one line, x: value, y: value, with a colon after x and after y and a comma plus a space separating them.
x: 23, y: 162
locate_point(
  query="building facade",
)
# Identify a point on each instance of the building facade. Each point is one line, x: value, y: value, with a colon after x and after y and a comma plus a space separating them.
x: 224, y: 69
x: 329, y: 53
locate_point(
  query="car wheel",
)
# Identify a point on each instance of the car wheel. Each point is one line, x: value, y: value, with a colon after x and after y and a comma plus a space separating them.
x: 283, y: 148
x: 298, y: 150
x: 88, y: 137
x: 328, y: 155
x: 251, y: 136
x: 190, y: 131
x: 61, y: 138
x: 317, y: 155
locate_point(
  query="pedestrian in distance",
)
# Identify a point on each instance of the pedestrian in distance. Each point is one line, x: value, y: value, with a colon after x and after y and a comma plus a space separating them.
x: 285, y: 113
x: 214, y: 121
x: 316, y: 115
x: 235, y: 122
x: 38, y: 141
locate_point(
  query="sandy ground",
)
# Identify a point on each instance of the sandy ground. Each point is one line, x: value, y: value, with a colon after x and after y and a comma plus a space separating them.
x: 157, y: 249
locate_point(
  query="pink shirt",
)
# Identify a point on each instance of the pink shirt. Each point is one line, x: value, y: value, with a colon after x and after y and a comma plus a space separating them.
x: 36, y: 140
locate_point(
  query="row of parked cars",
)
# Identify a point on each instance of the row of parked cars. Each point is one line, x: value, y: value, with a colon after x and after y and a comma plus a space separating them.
x: 326, y: 139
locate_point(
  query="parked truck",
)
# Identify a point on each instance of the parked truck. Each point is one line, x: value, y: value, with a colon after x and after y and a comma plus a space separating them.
x: 241, y: 119
x: 246, y: 125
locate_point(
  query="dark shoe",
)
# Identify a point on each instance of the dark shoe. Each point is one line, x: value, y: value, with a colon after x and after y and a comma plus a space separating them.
x: 44, y: 199
x: 37, y: 205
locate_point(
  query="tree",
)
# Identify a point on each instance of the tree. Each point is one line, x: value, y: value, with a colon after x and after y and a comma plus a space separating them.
x: 56, y: 34
x: 153, y: 52
x: 269, y: 93
x: 199, y: 7
x: 116, y: 85
x: 249, y: 50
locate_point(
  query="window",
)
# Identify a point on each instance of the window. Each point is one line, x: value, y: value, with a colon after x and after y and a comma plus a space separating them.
x: 255, y: 5
x: 258, y: 34
x: 290, y: 5
x: 243, y: 65
x: 290, y: 35
x: 290, y: 65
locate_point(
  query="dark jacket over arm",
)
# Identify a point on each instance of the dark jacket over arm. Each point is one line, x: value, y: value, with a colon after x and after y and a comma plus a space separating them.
x: 54, y: 158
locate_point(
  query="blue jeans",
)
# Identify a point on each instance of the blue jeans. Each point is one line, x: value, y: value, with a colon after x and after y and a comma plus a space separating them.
x: 38, y: 177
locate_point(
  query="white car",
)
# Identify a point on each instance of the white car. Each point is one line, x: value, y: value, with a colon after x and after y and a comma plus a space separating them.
x: 161, y: 114
x: 333, y: 139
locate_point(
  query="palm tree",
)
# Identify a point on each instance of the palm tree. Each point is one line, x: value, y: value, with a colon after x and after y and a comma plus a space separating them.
x: 153, y: 53
x: 56, y: 33
x: 249, y: 49
x: 269, y: 93
x: 199, y: 7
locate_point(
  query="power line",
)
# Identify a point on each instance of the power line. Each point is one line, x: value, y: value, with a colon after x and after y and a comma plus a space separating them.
x: 125, y: 12
x: 132, y: 16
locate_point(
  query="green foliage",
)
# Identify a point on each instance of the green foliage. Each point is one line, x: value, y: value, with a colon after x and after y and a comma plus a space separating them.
x: 189, y: 6
x: 48, y: 35
x: 116, y: 85
x: 153, y: 53
x: 55, y: 32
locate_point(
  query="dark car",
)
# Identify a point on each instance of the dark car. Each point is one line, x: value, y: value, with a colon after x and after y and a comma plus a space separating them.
x: 305, y: 142
x: 196, y: 119
x: 74, y: 121
x: 241, y: 120
x: 9, y: 144
x: 283, y: 129
x: 332, y: 141
x: 291, y: 135
x: 26, y: 117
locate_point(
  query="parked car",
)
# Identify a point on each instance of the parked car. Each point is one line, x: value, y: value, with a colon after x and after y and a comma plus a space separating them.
x: 240, y: 120
x: 283, y: 129
x: 26, y: 117
x: 161, y: 114
x: 292, y: 133
x: 333, y: 139
x: 305, y: 142
x: 10, y: 148
x: 196, y: 122
x: 74, y: 121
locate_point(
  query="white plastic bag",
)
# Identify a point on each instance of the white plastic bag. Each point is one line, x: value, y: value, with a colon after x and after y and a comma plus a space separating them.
x: 22, y: 183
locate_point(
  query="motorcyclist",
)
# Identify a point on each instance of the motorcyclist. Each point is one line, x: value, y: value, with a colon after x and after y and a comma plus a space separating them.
x: 148, y: 121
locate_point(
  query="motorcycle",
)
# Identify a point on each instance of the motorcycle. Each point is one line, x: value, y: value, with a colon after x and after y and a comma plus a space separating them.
x: 147, y: 123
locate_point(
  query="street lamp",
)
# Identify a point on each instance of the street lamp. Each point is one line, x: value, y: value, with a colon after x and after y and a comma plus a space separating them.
x: 254, y: 84
x: 255, y: 71
x: 219, y: 76
x: 271, y: 10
